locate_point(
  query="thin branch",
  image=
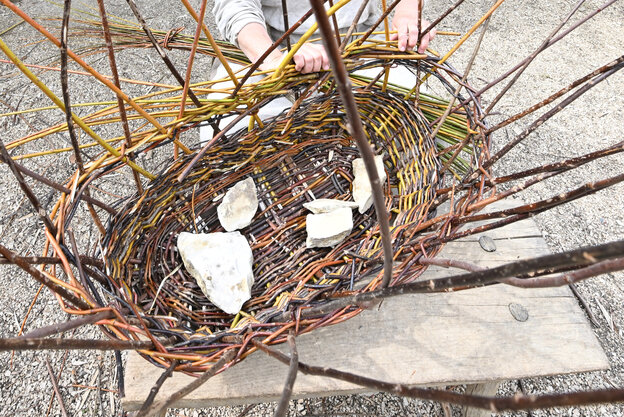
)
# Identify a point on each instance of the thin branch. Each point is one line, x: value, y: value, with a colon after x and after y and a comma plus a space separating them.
x: 39, y: 276
x: 65, y: 89
x: 55, y: 387
x: 521, y: 63
x: 282, y: 406
x: 120, y: 103
x: 561, y: 166
x: 26, y: 189
x: 532, y: 57
x: 450, y: 263
x: 159, y: 407
x: 589, y: 85
x: 569, y: 278
x: 542, y: 205
x: 355, y: 123
x: 439, y: 19
x: 583, y: 302
x: 494, y: 404
x: 154, y: 391
x: 186, y: 89
x: 556, y: 95
x: 354, y: 24
x: 447, y: 112
x: 56, y: 186
x: 52, y: 260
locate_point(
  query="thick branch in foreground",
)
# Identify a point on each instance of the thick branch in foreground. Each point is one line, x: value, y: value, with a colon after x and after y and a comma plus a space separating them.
x: 357, y: 130
x: 528, y: 267
x: 516, y: 402
x: 22, y: 343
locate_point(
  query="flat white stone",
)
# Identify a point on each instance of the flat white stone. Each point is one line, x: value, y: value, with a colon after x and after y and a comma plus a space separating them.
x: 222, y: 265
x: 362, y: 191
x: 326, y: 205
x: 238, y: 206
x: 328, y: 229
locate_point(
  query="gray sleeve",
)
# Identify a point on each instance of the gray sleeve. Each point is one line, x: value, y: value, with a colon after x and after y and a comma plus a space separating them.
x: 232, y: 15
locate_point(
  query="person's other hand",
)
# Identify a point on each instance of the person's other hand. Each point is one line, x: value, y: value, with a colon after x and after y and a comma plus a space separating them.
x: 311, y: 57
x: 405, y: 22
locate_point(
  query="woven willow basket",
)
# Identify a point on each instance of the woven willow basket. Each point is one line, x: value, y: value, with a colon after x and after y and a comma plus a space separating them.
x: 303, y: 154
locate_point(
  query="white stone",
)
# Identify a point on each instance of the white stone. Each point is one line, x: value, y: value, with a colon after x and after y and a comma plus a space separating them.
x: 328, y: 229
x: 238, y: 206
x: 326, y: 205
x: 362, y: 191
x: 222, y: 265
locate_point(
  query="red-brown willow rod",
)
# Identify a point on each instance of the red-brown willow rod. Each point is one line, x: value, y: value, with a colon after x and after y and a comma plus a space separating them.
x: 521, y: 63
x: 357, y: 130
x: 586, y: 87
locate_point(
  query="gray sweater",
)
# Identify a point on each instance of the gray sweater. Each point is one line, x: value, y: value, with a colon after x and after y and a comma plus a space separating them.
x: 233, y: 15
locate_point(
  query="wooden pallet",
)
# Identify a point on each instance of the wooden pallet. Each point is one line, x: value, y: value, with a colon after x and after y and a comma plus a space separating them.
x: 468, y: 337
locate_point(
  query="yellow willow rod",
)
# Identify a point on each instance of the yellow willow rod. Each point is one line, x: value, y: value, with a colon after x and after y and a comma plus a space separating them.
x: 60, y: 104
x: 126, y: 80
x: 303, y: 38
x: 84, y: 65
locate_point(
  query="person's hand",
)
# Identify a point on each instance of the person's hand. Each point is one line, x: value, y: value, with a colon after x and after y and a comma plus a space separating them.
x: 311, y: 57
x: 406, y: 24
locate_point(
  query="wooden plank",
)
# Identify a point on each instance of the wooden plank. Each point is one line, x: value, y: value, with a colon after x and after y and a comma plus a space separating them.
x: 424, y: 339
x: 485, y: 390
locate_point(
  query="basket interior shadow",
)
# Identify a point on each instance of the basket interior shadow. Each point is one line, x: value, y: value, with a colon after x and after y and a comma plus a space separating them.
x: 300, y: 155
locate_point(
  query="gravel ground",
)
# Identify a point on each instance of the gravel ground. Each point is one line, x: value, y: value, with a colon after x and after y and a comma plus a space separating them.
x: 592, y: 122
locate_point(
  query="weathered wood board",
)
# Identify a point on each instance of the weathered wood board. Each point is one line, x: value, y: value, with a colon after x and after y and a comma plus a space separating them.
x: 434, y: 339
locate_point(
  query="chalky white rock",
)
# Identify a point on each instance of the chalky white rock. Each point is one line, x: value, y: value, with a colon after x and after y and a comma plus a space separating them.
x: 239, y: 205
x: 362, y: 191
x: 326, y: 205
x: 328, y: 229
x: 222, y: 265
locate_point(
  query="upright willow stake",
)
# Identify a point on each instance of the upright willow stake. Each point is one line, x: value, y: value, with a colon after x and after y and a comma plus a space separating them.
x: 120, y: 103
x: 187, y: 79
x: 65, y: 89
x: 357, y: 130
